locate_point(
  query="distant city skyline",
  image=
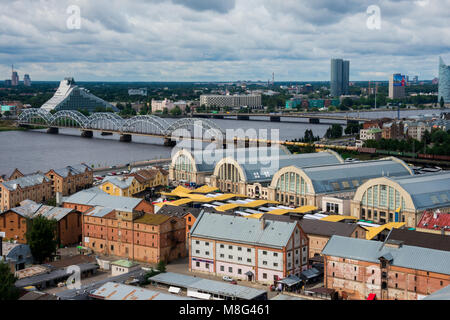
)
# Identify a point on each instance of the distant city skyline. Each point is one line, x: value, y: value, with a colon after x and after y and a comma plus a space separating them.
x: 199, y: 40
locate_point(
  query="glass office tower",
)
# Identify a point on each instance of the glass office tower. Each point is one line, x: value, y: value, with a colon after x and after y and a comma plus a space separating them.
x: 340, y: 76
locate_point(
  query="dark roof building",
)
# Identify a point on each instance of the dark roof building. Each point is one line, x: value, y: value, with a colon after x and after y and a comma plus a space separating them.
x: 420, y: 239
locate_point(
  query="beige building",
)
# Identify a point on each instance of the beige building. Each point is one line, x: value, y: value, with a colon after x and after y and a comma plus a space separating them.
x: 370, y: 134
x: 401, y: 199
x: 234, y: 101
x: 417, y: 129
x: 160, y: 105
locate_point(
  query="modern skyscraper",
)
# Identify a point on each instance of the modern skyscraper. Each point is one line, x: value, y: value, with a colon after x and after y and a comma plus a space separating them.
x: 397, y: 84
x: 26, y: 80
x: 14, y: 77
x: 340, y: 75
x: 444, y: 81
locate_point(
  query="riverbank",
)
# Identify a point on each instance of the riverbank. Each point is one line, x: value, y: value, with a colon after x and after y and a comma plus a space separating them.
x: 10, y: 125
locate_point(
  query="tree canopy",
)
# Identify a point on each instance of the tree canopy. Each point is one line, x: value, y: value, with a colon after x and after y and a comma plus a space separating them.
x: 42, y: 238
x: 8, y: 290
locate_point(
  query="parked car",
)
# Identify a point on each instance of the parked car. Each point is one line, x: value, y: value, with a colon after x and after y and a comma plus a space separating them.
x: 227, y: 278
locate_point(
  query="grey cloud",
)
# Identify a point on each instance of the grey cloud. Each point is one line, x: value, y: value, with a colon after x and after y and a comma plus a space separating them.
x: 220, y: 6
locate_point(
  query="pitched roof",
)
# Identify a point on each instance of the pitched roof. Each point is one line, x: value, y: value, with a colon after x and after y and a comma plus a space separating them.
x: 93, y: 198
x: 420, y: 239
x: 30, y: 210
x: 73, y: 170
x: 405, y: 256
x: 243, y: 230
x: 327, y: 228
x: 25, y: 181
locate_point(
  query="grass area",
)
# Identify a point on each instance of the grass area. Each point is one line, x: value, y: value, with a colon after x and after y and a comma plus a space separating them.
x: 10, y: 125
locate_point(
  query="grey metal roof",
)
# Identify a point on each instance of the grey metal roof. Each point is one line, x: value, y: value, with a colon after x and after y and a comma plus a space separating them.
x: 206, y: 160
x: 263, y: 169
x: 243, y: 230
x: 405, y: 256
x: 118, y: 291
x: 427, y: 191
x: 74, y: 170
x: 98, y: 212
x: 443, y: 294
x: 87, y: 197
x: 211, y: 286
x: 348, y: 176
x: 26, y: 181
x: 30, y: 210
x: 122, y: 183
x: 286, y: 297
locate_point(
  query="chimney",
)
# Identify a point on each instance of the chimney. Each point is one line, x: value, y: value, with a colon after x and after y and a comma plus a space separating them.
x: 58, y: 199
x: 263, y: 223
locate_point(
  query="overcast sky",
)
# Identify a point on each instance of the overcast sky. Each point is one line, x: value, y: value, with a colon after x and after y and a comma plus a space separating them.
x: 220, y: 40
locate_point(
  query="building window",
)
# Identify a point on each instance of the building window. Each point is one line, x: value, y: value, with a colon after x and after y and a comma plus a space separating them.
x: 265, y: 263
x: 222, y: 268
x: 264, y: 275
x: 230, y: 257
x: 239, y: 249
x: 249, y: 250
x: 197, y: 242
x: 275, y: 254
x: 239, y: 271
x: 197, y: 264
x: 206, y: 243
x: 249, y: 260
x: 197, y: 251
x: 222, y: 246
x: 207, y: 253
x: 230, y: 247
x: 275, y: 264
x: 230, y: 269
x: 207, y: 265
x: 264, y: 252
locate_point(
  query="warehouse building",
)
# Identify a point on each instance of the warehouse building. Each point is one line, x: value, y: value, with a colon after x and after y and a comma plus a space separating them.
x: 253, y: 177
x: 402, y: 199
x: 293, y: 185
x: 198, y: 165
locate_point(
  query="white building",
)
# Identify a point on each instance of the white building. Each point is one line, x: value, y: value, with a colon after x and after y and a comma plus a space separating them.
x: 160, y: 105
x: 251, y: 101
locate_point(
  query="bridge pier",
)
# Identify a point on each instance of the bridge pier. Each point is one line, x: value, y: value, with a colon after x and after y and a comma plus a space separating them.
x: 243, y: 117
x: 125, y: 137
x: 275, y: 119
x: 53, y: 130
x: 169, y: 143
x: 87, y: 133
x: 314, y: 120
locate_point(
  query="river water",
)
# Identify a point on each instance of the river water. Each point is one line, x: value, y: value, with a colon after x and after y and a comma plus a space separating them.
x: 35, y: 150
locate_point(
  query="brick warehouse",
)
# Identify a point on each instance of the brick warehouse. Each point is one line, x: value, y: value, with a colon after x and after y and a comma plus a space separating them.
x: 358, y: 268
x: 142, y: 237
x: 15, y: 222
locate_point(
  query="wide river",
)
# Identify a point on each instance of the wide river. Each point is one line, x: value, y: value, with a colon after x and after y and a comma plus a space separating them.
x: 35, y: 150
